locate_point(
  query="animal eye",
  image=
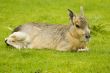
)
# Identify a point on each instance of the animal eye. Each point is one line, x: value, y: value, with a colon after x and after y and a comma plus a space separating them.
x: 77, y: 26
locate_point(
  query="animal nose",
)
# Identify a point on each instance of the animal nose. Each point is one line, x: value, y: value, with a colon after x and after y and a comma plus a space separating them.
x: 87, y: 36
x: 6, y: 42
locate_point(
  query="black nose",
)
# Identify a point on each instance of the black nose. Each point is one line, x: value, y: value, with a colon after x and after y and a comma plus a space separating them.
x: 87, y: 36
x: 6, y: 42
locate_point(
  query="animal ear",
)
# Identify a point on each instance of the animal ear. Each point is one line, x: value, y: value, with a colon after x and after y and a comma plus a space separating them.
x: 81, y: 11
x: 71, y: 15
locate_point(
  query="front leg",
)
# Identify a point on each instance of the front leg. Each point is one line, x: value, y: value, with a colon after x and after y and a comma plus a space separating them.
x: 64, y: 46
x: 83, y: 49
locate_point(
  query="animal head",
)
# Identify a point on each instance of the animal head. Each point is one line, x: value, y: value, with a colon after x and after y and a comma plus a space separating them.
x: 79, y: 26
x: 17, y: 40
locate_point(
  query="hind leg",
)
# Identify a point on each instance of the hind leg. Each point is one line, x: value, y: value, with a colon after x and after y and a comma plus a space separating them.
x: 17, y: 40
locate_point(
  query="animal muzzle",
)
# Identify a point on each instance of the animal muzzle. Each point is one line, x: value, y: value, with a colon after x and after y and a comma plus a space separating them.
x: 87, y: 37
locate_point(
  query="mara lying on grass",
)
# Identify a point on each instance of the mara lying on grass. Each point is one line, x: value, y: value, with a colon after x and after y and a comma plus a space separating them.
x: 72, y: 37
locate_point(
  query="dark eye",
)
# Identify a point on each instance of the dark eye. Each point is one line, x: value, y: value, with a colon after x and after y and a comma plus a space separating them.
x: 77, y: 26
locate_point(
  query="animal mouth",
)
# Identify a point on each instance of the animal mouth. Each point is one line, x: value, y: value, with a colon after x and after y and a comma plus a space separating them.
x: 87, y: 40
x: 84, y: 39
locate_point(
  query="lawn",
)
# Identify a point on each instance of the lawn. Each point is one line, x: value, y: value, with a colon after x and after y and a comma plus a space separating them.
x: 16, y: 12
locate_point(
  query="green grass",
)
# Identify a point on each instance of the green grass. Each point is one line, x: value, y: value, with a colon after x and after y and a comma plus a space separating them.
x: 16, y: 12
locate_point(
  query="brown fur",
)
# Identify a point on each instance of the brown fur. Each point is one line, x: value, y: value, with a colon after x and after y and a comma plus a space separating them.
x: 60, y: 37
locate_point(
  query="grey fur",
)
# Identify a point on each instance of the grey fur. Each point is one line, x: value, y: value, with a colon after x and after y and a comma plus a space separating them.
x: 52, y: 36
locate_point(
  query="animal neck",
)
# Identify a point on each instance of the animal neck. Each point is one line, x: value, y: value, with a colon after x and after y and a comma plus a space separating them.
x: 74, y: 34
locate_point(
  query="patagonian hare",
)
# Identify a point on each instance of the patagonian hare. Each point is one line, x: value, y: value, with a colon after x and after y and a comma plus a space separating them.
x: 72, y: 37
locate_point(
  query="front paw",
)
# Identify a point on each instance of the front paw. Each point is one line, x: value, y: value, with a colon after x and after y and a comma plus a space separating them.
x: 83, y: 50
